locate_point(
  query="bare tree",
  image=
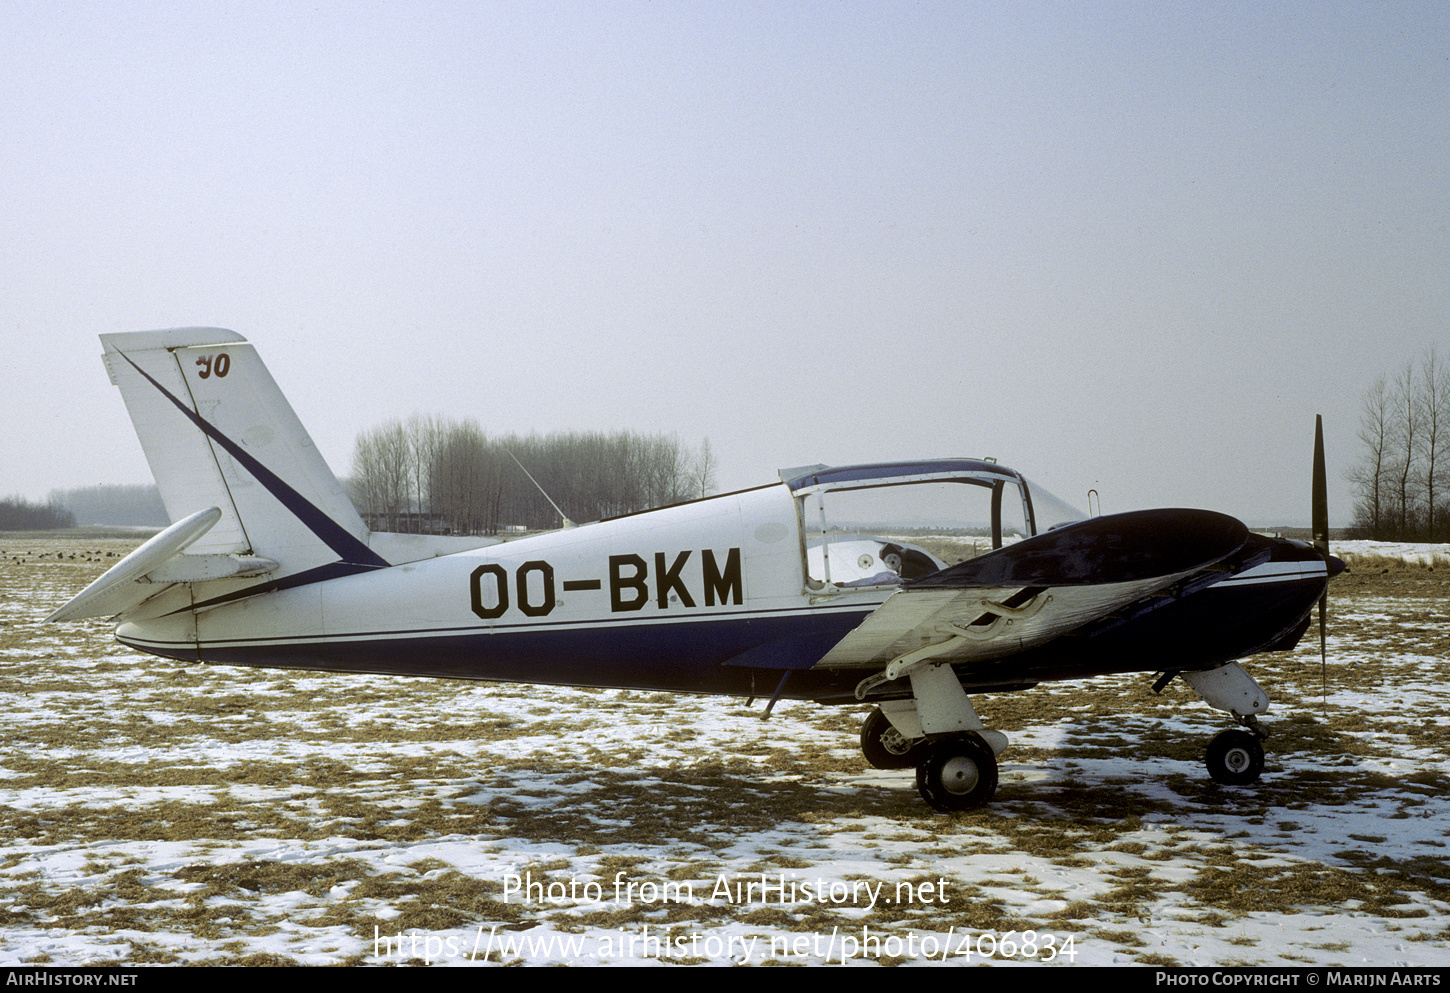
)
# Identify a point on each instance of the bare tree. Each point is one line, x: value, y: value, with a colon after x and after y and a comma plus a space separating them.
x: 1405, y: 466
x: 664, y: 470
x: 456, y: 477
x: 424, y: 433
x: 464, y: 481
x: 382, y: 474
x: 1371, y: 474
x: 19, y: 514
x: 1406, y: 450
x: 1434, y: 416
x: 702, y: 471
x: 113, y: 504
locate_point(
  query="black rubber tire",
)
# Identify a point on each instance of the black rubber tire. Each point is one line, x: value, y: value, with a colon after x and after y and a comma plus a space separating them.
x: 958, y: 773
x: 1235, y: 758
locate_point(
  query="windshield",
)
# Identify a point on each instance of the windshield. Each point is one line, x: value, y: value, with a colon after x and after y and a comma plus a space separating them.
x: 1051, y: 511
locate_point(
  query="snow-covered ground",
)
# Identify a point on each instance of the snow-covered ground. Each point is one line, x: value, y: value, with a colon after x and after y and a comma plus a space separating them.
x: 1409, y: 551
x: 155, y: 813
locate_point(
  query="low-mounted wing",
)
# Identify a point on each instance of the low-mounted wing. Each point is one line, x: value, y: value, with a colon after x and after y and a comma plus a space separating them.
x: 1029, y: 593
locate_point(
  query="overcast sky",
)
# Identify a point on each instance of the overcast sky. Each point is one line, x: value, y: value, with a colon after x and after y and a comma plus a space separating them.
x: 1132, y: 247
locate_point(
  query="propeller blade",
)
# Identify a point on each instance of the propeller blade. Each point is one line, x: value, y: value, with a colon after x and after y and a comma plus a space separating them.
x: 1320, y: 510
x: 1319, y: 526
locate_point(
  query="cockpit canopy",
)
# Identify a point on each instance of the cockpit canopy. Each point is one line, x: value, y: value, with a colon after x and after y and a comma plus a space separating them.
x: 882, y: 523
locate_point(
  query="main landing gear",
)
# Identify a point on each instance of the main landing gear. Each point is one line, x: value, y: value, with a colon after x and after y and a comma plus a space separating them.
x: 937, y: 730
x: 887, y: 748
x: 956, y: 771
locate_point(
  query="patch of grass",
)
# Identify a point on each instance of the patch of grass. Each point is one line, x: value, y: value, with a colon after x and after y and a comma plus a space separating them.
x: 1373, y: 564
x: 1128, y: 939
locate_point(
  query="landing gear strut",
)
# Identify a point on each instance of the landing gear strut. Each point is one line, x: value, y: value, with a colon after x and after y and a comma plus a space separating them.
x: 954, y: 753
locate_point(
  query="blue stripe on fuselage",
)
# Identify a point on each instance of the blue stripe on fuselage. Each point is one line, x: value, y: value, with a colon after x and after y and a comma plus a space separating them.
x: 692, y: 656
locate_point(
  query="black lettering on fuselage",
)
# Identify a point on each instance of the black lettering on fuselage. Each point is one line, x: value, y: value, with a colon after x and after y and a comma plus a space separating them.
x: 500, y: 586
x: 546, y: 602
x: 722, y: 584
x: 534, y: 589
x: 667, y: 580
x: 619, y: 583
x: 629, y: 587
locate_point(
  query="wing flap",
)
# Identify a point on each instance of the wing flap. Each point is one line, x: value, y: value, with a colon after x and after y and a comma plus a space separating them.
x: 988, y: 625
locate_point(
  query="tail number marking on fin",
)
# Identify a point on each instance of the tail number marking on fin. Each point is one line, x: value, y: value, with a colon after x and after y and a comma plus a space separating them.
x: 220, y: 364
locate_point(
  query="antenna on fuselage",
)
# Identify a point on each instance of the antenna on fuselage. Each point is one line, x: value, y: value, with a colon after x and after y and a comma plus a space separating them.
x: 562, y: 516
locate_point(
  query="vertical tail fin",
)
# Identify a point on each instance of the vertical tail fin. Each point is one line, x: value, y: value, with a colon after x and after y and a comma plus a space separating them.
x: 218, y: 432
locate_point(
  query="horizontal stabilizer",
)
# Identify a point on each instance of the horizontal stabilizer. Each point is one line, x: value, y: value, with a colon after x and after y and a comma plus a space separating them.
x: 202, y: 568
x: 158, y: 564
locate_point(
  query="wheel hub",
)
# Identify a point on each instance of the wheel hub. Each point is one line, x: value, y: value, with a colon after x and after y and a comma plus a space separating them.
x: 960, y: 775
x: 895, y: 742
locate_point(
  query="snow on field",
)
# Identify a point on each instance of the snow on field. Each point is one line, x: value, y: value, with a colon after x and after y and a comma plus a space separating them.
x: 1408, y: 551
x: 158, y: 813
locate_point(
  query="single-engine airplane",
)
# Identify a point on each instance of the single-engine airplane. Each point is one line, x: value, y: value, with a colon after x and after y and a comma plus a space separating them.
x: 904, y: 585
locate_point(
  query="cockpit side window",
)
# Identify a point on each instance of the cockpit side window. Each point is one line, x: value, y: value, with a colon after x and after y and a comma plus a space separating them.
x: 877, y: 535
